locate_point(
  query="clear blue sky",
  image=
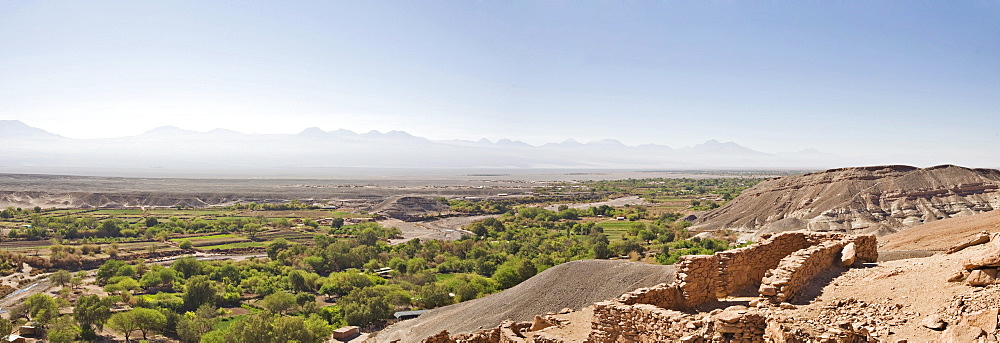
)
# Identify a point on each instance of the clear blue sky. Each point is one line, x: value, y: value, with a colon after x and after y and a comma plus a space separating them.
x: 848, y: 77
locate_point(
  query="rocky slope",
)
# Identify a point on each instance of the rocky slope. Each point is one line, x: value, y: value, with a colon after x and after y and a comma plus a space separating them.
x: 870, y: 200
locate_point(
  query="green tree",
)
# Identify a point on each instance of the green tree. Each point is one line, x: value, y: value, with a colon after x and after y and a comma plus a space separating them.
x: 91, y: 312
x: 62, y: 330
x: 193, y: 325
x: 61, y: 277
x: 42, y: 307
x: 278, y: 302
x: 188, y: 266
x: 143, y: 319
x: 337, y: 223
x: 112, y: 268
x: 200, y: 291
x: 186, y: 244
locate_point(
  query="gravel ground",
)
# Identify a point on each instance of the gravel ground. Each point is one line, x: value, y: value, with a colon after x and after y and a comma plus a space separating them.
x: 574, y: 285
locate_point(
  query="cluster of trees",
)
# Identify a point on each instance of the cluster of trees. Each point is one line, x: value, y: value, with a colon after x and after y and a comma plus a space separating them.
x: 89, y: 227
x: 499, y: 206
x: 291, y: 205
x: 11, y: 212
x: 726, y: 188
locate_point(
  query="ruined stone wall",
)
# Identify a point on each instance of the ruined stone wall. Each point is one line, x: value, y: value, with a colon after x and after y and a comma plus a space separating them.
x: 698, y: 275
x: 867, y: 247
x: 617, y: 322
x: 705, y: 278
x: 742, y: 269
x: 798, y: 269
x: 664, y: 295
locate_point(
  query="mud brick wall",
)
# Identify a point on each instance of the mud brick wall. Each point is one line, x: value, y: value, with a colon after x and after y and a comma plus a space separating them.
x: 795, y: 271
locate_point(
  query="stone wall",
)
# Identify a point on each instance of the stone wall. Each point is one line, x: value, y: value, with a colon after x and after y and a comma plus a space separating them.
x: 664, y: 295
x: 617, y: 322
x: 698, y: 275
x: 779, y: 266
x: 740, y: 270
x: 798, y: 257
x: 796, y: 270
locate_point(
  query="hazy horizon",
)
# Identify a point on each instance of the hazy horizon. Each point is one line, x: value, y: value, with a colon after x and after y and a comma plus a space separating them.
x: 880, y: 83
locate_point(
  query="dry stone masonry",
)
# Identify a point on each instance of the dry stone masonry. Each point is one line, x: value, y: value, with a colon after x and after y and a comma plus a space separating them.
x: 779, y: 267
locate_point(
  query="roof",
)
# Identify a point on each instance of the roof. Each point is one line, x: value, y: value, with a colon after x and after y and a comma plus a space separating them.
x: 402, y: 314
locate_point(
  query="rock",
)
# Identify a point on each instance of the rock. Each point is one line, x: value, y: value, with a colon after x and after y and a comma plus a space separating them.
x: 848, y: 255
x: 980, y: 238
x: 961, y: 334
x: 730, y: 317
x: 775, y: 333
x: 787, y: 306
x: 566, y: 310
x: 989, y: 258
x: 959, y: 276
x: 982, y: 277
x: 933, y: 322
x: 766, y: 289
x: 985, y: 319
x: 540, y: 323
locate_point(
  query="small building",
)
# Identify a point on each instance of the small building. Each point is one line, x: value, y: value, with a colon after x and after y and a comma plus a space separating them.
x: 27, y: 330
x: 346, y: 333
x: 12, y: 338
x: 403, y: 315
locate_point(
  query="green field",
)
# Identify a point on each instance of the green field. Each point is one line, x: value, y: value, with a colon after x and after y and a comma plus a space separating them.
x: 615, y: 229
x: 235, y: 245
x: 208, y: 237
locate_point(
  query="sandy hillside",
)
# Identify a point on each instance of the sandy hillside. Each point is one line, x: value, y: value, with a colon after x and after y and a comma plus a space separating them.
x: 942, y: 234
x: 570, y: 285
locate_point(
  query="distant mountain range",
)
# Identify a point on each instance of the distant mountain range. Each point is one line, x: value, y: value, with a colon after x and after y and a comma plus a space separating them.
x: 169, y: 149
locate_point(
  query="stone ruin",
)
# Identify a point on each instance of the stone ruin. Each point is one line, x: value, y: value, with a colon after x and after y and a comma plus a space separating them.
x: 771, y: 273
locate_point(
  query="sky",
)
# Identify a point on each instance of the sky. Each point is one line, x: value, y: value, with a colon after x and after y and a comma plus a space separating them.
x: 898, y: 80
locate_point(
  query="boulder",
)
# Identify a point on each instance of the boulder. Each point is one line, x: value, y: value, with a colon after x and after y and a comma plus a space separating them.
x: 539, y: 323
x: 959, y: 276
x: 933, y: 322
x: 982, y: 277
x: 989, y: 258
x: 980, y: 238
x: 848, y: 255
x: 961, y: 334
x: 985, y: 319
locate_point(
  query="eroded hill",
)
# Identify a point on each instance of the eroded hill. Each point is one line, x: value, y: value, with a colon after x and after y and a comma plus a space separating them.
x: 865, y: 200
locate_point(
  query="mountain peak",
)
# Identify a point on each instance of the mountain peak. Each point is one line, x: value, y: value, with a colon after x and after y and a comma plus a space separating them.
x: 16, y: 128
x: 312, y: 132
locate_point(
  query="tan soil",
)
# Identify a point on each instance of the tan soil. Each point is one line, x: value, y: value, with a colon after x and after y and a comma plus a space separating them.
x: 942, y: 234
